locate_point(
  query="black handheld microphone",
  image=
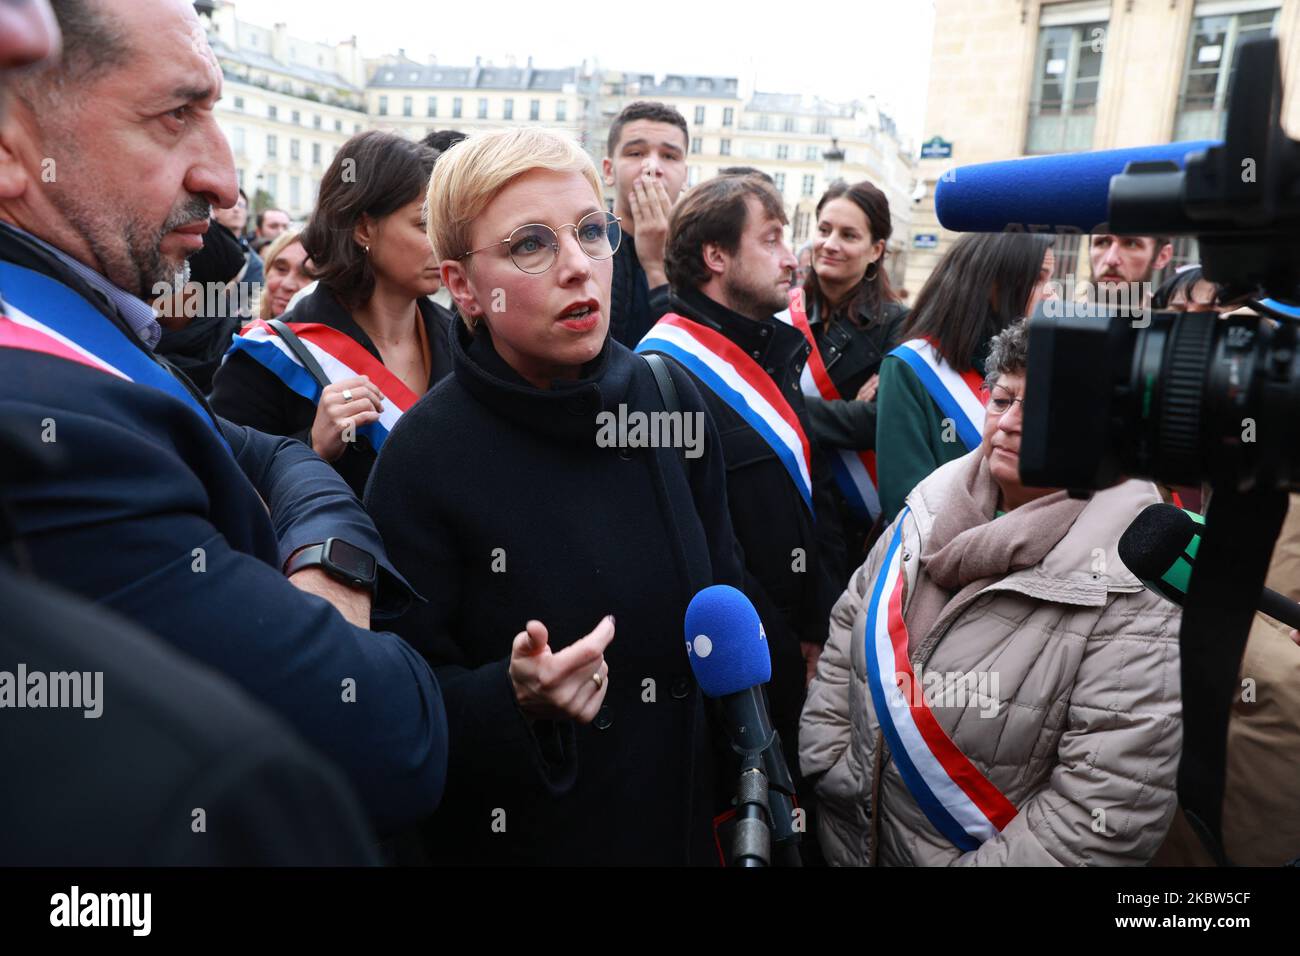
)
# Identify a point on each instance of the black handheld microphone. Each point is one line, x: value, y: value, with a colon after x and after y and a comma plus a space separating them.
x: 1160, y: 548
x: 728, y: 652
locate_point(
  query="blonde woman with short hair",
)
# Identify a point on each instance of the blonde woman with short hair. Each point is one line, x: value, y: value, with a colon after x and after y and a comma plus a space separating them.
x: 557, y: 554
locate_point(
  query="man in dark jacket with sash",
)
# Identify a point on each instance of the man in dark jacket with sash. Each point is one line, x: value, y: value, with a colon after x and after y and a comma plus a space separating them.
x: 179, y: 521
x: 731, y: 271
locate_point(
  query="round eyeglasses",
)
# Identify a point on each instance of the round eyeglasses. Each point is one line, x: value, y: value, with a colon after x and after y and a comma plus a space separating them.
x: 535, y: 246
x: 1000, y: 400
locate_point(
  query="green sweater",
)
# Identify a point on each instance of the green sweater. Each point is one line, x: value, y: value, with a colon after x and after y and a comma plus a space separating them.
x: 910, y: 435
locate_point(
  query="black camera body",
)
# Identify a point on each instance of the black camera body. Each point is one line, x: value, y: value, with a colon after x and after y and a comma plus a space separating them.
x: 1179, y: 398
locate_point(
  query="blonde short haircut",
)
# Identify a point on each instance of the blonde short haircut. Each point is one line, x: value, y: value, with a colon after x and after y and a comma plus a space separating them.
x: 469, y: 176
x: 282, y: 242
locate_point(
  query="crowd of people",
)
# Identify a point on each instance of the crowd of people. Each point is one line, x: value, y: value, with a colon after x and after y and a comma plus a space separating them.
x: 405, y: 605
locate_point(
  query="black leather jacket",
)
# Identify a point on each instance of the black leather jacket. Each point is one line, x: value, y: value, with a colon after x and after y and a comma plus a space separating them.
x: 852, y: 352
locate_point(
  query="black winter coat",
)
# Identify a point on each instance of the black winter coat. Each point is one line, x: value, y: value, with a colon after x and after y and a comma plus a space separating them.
x: 634, y: 307
x: 248, y: 393
x: 793, y: 596
x: 497, y: 500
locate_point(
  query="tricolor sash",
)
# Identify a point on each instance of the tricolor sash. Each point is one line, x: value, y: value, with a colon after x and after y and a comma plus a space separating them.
x: 740, y: 382
x: 956, y: 393
x: 340, y: 357
x: 954, y: 795
x: 855, y: 471
x: 71, y: 328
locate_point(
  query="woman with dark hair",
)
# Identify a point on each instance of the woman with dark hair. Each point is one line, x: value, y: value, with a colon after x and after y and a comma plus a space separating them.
x: 851, y: 315
x: 358, y: 351
x: 1187, y: 290
x: 931, y: 407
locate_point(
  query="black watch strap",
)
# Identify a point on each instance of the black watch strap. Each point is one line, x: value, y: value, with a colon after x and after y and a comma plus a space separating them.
x: 312, y: 556
x: 353, y: 566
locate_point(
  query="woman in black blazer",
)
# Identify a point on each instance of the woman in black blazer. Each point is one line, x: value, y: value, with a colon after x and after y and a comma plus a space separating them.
x: 855, y: 316
x: 557, y: 560
x: 375, y: 270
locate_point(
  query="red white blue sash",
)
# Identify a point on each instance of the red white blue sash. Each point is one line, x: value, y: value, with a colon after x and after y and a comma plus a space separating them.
x: 71, y: 328
x: 340, y: 357
x: 956, y: 393
x: 740, y: 382
x: 954, y: 795
x: 855, y: 471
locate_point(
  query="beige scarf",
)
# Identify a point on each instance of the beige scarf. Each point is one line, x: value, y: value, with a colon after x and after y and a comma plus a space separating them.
x: 968, y: 549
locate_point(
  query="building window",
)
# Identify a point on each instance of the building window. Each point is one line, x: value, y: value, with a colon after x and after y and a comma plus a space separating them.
x: 811, y: 154
x: 787, y: 124
x: 508, y: 109
x: 241, y: 178
x: 783, y: 151
x: 338, y: 126
x: 315, y: 121
x: 482, y: 107
x: 237, y: 139
x: 315, y: 154
x: 433, y: 106
x: 272, y: 146
x: 728, y: 114
x: 239, y: 103
x: 780, y: 182
x: 294, y: 150
x: 356, y: 128
x: 724, y: 147
x: 295, y: 192
x: 297, y: 118
x: 561, y: 110
x: 272, y: 112
x: 1063, y: 107
x: 801, y: 225
x: 273, y: 186
x: 534, y: 109
x: 809, y: 183
x: 822, y: 127
x: 697, y: 146
x: 383, y: 106
x: 692, y: 175
x: 764, y: 121
x: 456, y: 107
x: 408, y: 106
x: 699, y: 116
x: 1209, y: 68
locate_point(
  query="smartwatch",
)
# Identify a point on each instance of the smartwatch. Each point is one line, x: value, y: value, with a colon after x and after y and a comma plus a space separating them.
x: 340, y: 560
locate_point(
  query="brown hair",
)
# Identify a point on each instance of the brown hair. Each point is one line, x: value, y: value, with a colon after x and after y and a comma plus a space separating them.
x: 873, y: 291
x: 374, y: 174
x: 713, y: 212
x: 645, y: 110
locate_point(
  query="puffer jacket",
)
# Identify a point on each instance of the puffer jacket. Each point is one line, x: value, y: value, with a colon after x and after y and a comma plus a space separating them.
x: 1087, y: 731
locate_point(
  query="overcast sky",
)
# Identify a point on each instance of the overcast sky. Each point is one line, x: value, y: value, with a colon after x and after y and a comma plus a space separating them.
x: 841, y: 50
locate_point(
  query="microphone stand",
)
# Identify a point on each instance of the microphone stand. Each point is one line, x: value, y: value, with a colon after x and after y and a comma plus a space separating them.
x: 751, y: 844
x: 1231, y: 564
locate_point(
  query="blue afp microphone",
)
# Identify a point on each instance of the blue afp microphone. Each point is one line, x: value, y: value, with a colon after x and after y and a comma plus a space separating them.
x: 1063, y: 193
x: 729, y: 656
